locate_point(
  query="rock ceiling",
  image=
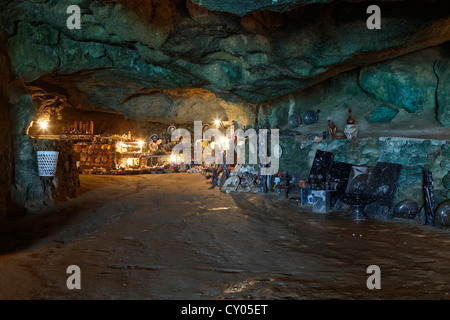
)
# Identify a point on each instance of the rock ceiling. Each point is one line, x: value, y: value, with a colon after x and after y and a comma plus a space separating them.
x: 179, y: 61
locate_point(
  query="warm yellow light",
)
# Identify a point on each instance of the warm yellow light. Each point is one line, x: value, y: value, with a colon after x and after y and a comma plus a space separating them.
x: 225, y: 142
x: 43, y: 124
x: 217, y: 123
x: 173, y: 158
x: 141, y: 143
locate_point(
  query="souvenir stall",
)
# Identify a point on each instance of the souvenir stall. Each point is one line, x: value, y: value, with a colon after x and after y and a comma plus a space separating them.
x: 121, y: 153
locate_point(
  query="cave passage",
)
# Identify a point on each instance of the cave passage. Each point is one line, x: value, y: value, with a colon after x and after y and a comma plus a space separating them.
x: 172, y: 237
x: 222, y: 149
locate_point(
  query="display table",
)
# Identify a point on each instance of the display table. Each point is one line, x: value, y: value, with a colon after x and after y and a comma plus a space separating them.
x: 320, y: 199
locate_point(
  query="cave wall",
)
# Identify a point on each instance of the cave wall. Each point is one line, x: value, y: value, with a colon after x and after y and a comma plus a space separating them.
x: 171, y: 61
x: 174, y: 62
x: 6, y: 146
x: 401, y: 107
x: 29, y: 191
x: 407, y: 95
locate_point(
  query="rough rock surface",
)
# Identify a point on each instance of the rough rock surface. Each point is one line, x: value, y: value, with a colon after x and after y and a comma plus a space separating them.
x: 442, y: 72
x: 131, y: 245
x: 409, y: 84
x: 255, y: 62
x: 134, y: 57
x: 6, y: 146
x: 249, y: 6
x: 243, y: 8
x: 32, y: 191
x: 412, y: 90
x: 29, y: 190
x: 382, y: 114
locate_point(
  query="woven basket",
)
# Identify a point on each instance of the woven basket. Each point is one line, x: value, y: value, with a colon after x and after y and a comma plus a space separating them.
x: 47, y: 161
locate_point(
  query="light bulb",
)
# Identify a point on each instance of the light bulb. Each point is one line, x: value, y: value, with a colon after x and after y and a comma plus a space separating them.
x: 43, y: 124
x: 225, y: 142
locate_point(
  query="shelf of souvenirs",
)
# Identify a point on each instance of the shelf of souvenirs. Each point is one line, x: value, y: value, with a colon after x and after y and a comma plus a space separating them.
x: 78, y: 131
x: 76, y: 137
x: 147, y: 155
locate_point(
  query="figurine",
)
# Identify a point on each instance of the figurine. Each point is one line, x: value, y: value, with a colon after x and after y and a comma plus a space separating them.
x: 350, y: 119
x: 351, y: 129
x: 331, y: 129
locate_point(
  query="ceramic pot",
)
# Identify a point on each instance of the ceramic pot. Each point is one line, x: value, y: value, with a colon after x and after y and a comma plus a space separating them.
x: 351, y: 131
x: 310, y: 117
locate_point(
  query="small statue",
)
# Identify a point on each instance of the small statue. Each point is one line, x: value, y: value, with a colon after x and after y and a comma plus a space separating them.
x: 262, y: 180
x: 350, y: 119
x: 331, y: 129
x: 351, y: 129
x: 215, y: 178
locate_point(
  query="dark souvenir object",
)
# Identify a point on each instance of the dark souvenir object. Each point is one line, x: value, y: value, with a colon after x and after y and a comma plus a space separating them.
x: 225, y: 170
x: 262, y: 181
x: 224, y: 174
x: 358, y: 202
x: 358, y: 180
x: 310, y: 117
x: 320, y: 169
x: 215, y: 179
x: 283, y: 186
x: 262, y: 184
x: 320, y: 200
x: 340, y: 174
x: 294, y: 121
x: 171, y: 129
x: 383, y: 181
x: 442, y: 213
x: 270, y: 181
x: 383, y: 185
x: 339, y: 135
x: 289, y: 133
x: 231, y: 184
x: 331, y: 129
x: 428, y: 190
x: 339, y: 177
x: 406, y: 209
x: 351, y: 129
x: 421, y: 216
x: 350, y: 119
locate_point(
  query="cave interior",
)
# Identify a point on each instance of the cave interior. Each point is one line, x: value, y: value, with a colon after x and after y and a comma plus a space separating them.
x: 132, y: 70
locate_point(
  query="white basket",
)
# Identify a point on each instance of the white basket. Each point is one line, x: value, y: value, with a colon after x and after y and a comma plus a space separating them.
x: 47, y: 161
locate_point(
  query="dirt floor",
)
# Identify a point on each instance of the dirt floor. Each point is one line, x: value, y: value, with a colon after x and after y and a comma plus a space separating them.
x: 171, y: 236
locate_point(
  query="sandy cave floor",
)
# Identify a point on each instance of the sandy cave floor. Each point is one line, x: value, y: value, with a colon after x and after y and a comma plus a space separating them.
x: 171, y: 236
